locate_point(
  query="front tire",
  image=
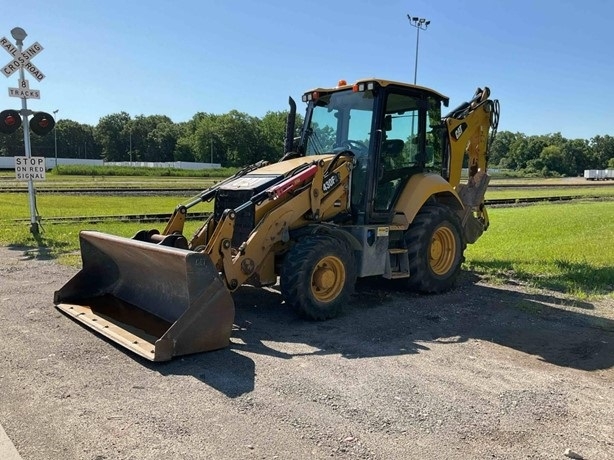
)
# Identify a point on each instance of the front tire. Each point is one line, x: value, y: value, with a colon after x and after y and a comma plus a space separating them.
x: 436, y: 249
x: 318, y: 276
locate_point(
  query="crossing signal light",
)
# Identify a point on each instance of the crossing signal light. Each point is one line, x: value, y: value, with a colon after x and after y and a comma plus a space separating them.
x: 10, y: 121
x: 42, y: 123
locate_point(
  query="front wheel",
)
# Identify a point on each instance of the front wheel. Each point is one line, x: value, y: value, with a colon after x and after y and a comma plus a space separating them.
x: 318, y: 276
x: 435, y: 249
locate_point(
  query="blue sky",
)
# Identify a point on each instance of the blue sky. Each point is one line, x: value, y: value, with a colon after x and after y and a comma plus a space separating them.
x: 549, y: 63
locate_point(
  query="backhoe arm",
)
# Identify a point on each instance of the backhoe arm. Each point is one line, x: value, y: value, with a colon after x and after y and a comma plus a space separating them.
x: 471, y: 128
x: 468, y: 127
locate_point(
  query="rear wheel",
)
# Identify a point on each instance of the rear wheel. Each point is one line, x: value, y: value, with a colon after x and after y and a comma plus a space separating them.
x: 435, y: 248
x: 318, y: 276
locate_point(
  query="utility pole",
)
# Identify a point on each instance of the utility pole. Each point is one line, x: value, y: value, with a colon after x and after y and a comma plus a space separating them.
x: 419, y: 24
x: 55, y: 138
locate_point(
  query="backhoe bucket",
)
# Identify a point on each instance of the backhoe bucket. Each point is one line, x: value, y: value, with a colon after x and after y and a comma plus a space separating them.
x: 157, y: 301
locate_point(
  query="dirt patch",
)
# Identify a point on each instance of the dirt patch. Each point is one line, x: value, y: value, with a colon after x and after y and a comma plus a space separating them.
x: 483, y: 371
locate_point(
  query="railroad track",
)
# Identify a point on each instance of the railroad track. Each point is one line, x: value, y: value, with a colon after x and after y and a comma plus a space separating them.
x: 163, y: 217
x: 108, y: 191
x: 10, y: 188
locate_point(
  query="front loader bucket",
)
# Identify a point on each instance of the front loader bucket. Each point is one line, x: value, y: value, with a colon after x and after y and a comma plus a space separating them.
x: 157, y: 301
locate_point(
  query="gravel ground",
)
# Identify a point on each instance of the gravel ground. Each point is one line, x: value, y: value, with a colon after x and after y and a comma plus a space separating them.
x: 482, y: 372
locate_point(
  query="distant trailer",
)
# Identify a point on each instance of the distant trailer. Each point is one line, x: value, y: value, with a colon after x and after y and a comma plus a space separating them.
x: 599, y: 174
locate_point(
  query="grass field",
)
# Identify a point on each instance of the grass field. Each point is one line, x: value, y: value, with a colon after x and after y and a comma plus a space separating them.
x: 567, y: 247
x: 494, y: 193
x: 15, y: 206
x: 60, y: 240
x: 101, y: 182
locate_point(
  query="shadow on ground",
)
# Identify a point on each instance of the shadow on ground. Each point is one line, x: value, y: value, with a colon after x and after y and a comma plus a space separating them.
x: 566, y: 276
x: 388, y: 322
x: 44, y: 250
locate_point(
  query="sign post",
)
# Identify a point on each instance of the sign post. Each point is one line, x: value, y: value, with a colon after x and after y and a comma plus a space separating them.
x: 22, y: 60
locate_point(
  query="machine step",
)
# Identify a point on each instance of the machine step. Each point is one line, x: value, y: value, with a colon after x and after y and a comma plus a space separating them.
x: 397, y: 265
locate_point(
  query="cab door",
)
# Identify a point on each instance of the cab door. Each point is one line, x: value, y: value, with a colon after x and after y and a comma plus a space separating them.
x: 400, y: 149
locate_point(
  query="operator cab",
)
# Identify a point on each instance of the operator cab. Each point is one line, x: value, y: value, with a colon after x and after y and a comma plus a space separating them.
x: 393, y: 130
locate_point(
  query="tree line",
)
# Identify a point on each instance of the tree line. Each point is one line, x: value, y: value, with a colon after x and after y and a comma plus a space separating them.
x: 231, y: 139
x: 551, y: 154
x: 236, y: 139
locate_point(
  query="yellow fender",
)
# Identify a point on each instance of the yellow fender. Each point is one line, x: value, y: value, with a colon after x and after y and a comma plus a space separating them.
x: 417, y: 191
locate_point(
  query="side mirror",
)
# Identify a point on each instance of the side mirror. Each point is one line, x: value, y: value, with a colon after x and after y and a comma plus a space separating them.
x: 388, y: 123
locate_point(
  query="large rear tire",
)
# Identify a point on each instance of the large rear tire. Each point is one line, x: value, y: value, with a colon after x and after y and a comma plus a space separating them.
x: 436, y: 249
x: 318, y: 276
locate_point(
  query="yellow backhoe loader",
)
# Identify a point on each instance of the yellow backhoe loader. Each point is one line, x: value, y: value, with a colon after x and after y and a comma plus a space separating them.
x: 371, y: 188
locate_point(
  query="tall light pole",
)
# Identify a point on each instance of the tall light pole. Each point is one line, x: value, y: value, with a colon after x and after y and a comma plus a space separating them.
x: 419, y: 24
x: 55, y: 137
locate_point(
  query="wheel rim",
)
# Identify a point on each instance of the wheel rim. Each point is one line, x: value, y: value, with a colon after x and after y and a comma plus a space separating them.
x: 442, y: 251
x: 327, y: 279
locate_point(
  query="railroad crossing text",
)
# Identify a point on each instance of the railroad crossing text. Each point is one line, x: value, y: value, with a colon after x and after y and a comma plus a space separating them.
x: 21, y: 59
x: 25, y: 93
x: 32, y: 168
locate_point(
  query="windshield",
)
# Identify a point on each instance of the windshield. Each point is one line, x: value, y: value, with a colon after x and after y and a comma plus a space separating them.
x: 340, y: 121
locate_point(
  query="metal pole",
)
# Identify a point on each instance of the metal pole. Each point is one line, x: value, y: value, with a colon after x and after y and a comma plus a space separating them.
x: 19, y: 34
x: 419, y: 24
x: 55, y: 138
x: 416, y: 63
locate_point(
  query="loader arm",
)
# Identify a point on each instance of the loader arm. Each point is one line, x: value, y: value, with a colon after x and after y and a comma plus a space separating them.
x: 177, y: 220
x: 297, y: 202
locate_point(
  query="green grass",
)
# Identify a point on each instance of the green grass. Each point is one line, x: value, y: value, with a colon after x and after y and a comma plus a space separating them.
x: 568, y: 246
x: 62, y: 240
x: 565, y: 247
x: 15, y: 205
x: 83, y: 182
x: 529, y: 192
x: 82, y: 170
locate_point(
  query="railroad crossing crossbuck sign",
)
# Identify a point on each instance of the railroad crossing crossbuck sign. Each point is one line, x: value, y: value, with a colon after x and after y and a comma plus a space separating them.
x: 22, y: 60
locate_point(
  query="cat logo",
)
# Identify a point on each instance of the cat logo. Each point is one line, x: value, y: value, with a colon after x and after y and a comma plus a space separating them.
x: 458, y: 132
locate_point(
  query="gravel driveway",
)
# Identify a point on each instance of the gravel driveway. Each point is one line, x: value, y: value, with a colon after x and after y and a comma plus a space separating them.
x: 482, y: 372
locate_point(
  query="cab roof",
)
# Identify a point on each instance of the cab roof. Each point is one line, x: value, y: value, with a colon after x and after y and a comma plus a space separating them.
x: 343, y: 85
